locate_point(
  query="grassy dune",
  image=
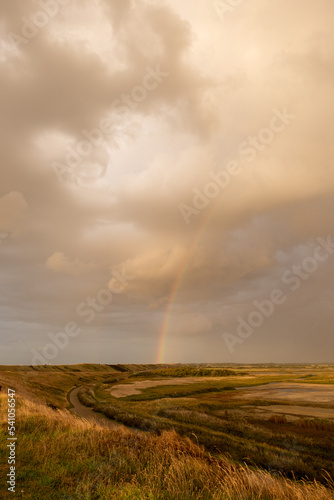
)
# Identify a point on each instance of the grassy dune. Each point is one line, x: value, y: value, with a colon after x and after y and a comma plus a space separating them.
x: 51, y: 383
x: 62, y: 457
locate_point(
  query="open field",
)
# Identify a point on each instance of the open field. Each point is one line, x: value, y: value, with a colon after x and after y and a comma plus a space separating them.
x: 307, y: 393
x: 307, y: 411
x: 254, y: 415
x: 240, y: 433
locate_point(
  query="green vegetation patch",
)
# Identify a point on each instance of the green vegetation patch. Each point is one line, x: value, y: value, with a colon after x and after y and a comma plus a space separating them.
x: 187, y: 371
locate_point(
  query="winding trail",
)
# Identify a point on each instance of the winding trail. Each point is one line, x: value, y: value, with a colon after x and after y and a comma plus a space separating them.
x: 87, y: 413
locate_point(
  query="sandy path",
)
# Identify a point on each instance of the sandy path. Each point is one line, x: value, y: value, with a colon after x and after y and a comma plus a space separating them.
x: 88, y: 413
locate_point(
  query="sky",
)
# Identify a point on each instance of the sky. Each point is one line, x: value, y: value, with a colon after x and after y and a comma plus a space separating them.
x: 167, y: 181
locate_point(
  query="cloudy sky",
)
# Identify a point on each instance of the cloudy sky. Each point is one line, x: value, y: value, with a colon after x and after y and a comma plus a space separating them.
x: 166, y: 181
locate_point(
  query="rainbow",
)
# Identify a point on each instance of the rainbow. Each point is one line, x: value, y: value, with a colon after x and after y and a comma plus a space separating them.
x: 176, y: 285
x: 170, y: 302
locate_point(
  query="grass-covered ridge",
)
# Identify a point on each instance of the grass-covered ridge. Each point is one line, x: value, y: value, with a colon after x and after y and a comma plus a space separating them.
x: 60, y: 456
x: 187, y: 371
x: 51, y: 383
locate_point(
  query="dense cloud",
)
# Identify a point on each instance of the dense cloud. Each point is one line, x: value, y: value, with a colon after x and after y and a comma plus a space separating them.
x: 149, y: 147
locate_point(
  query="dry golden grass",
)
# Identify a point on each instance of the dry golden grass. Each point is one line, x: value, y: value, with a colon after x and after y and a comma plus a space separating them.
x: 277, y: 419
x: 315, y: 423
x: 61, y: 456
